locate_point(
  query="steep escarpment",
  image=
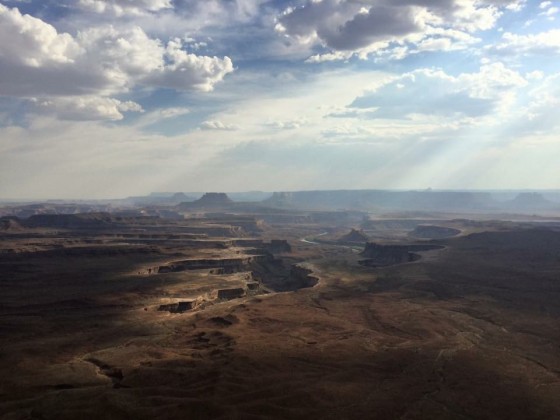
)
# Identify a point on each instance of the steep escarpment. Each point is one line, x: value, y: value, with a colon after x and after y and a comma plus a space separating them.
x: 261, y: 265
x: 301, y: 277
x: 222, y: 265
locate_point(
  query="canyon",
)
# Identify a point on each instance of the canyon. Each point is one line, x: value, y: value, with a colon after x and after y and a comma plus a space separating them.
x: 234, y: 310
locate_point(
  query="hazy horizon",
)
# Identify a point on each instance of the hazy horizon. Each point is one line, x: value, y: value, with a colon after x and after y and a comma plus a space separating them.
x: 235, y: 194
x: 108, y: 99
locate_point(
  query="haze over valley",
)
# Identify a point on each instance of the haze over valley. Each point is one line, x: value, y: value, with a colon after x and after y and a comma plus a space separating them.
x: 376, y: 304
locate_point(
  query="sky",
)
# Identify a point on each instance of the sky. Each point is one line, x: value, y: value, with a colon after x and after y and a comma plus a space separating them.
x: 113, y: 98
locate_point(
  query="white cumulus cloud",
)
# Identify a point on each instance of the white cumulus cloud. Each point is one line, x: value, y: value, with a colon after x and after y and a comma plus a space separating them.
x: 542, y: 43
x: 346, y: 27
x: 218, y: 125
x: 28, y: 41
x: 432, y: 92
x: 125, y: 7
x: 38, y: 61
x: 87, y: 108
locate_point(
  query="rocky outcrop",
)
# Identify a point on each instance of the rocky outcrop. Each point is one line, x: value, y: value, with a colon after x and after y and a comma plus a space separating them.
x: 233, y: 293
x: 178, y: 307
x: 253, y: 285
x: 300, y: 278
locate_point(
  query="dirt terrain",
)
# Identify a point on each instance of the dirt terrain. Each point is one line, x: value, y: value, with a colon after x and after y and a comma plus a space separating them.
x: 277, y: 320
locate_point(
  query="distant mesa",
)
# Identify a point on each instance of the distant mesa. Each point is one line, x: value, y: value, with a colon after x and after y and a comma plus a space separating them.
x: 211, y: 200
x: 280, y: 199
x: 382, y: 199
x: 434, y: 232
x: 416, y: 201
x: 214, y: 198
x: 356, y: 236
x: 160, y: 199
x: 180, y: 197
x: 531, y: 201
